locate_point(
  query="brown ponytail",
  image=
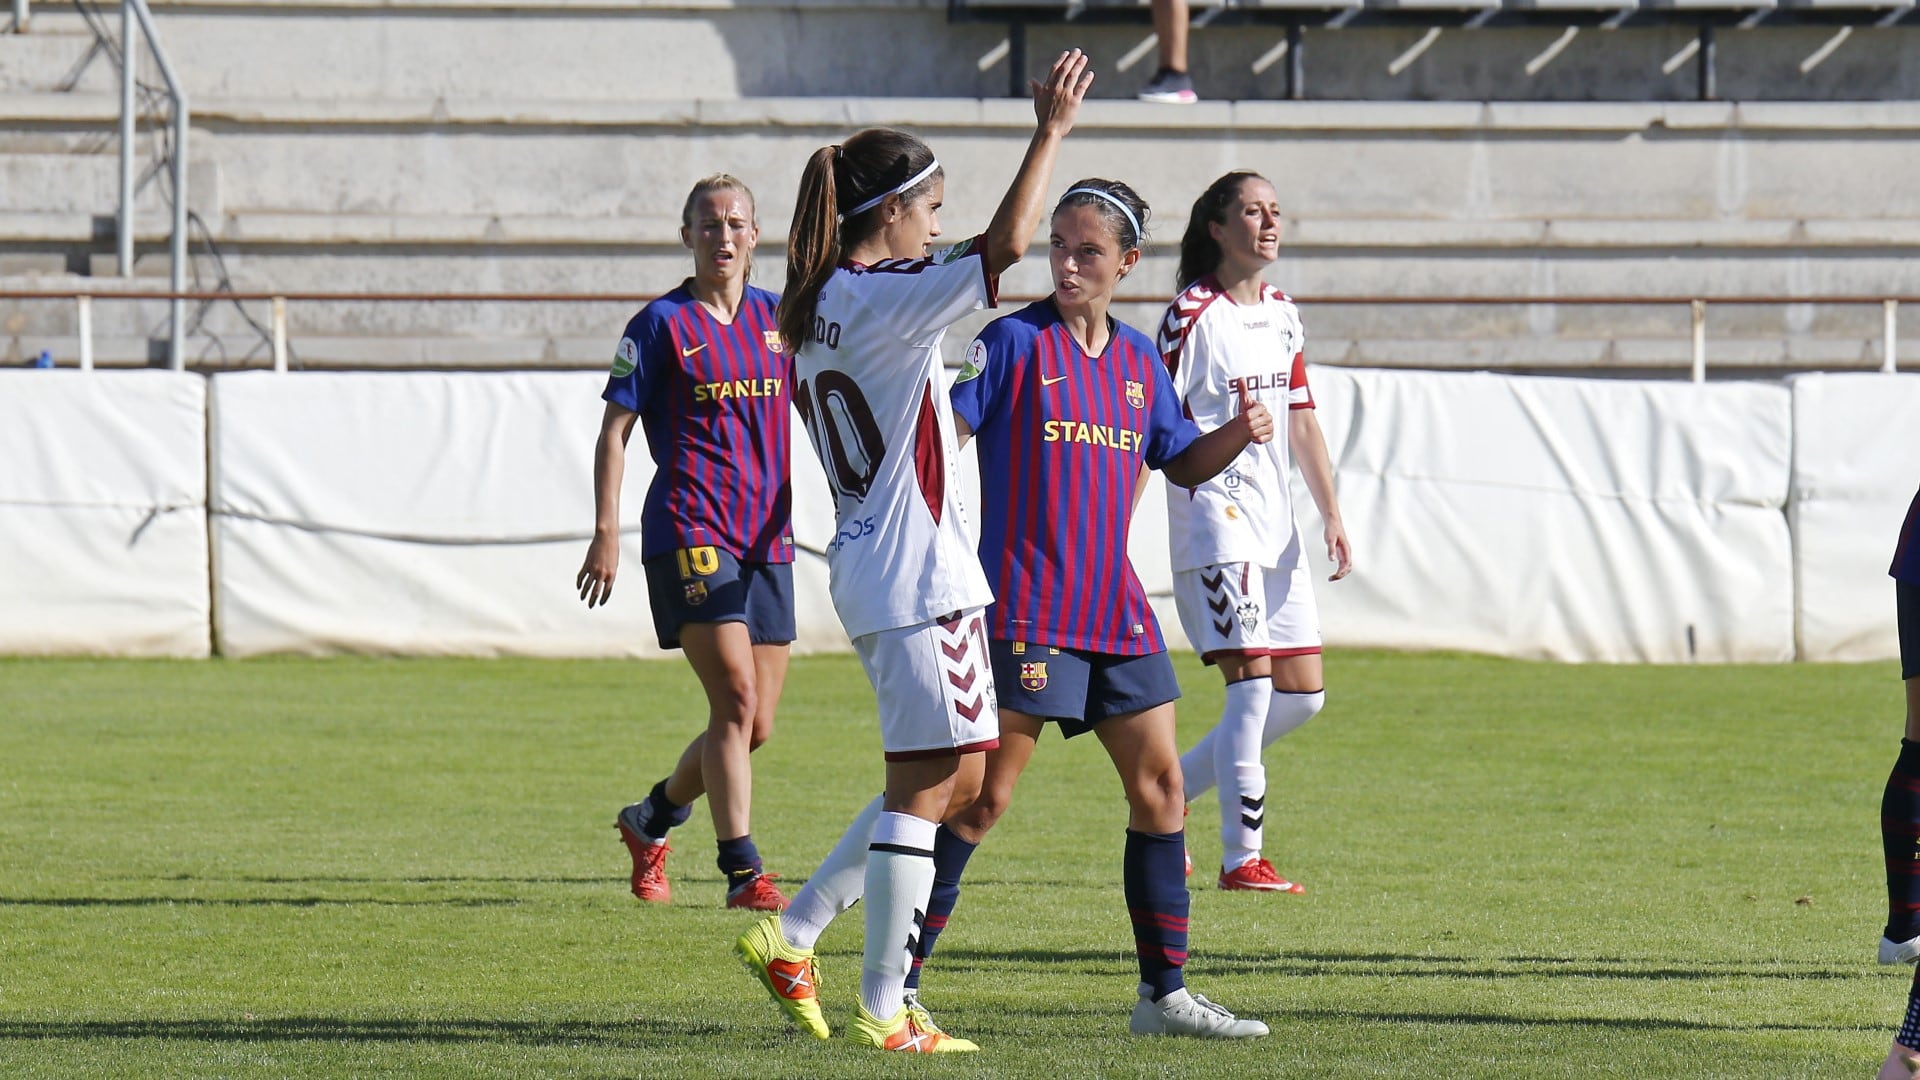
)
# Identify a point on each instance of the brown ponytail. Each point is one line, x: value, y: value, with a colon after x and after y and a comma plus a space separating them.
x: 837, y: 179
x: 813, y: 248
x: 1199, y: 251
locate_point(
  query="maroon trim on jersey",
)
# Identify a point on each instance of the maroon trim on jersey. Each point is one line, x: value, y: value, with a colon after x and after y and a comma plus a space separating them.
x: 1298, y: 381
x: 929, y: 456
x: 944, y: 751
x: 1182, y: 315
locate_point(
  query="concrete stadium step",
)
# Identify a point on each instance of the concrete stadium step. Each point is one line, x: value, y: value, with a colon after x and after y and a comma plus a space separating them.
x: 1595, y: 172
x: 629, y: 50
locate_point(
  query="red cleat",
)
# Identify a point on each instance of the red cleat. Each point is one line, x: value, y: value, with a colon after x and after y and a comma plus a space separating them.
x: 649, y: 864
x: 760, y: 894
x: 1258, y: 876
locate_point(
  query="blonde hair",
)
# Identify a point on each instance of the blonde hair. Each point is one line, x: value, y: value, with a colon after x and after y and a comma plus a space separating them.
x: 717, y: 182
x: 722, y: 182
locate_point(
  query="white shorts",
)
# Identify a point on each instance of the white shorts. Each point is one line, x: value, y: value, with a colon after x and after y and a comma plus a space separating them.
x: 1248, y: 609
x: 935, y: 685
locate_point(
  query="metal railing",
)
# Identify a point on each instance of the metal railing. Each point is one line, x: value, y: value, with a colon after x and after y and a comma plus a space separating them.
x: 132, y: 12
x: 20, y: 14
x: 279, y: 302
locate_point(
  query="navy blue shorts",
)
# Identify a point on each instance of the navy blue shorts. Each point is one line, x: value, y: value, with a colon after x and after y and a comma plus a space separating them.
x: 1076, y: 688
x: 1906, y: 598
x: 707, y: 585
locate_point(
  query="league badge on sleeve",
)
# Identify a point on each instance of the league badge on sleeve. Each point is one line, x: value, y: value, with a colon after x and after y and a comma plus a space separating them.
x: 1136, y: 394
x: 626, y: 359
x: 1033, y: 677
x: 974, y: 364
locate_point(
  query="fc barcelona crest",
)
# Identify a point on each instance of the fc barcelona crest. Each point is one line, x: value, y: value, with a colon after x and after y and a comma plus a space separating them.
x: 696, y: 593
x: 1033, y: 677
x: 772, y: 338
x: 1136, y: 394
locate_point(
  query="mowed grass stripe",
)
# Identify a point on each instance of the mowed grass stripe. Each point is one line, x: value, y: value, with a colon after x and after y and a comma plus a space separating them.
x: 378, y: 867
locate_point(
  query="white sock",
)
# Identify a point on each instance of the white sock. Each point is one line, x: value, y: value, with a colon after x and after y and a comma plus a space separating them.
x: 1236, y: 748
x: 1289, y: 710
x: 1243, y: 824
x: 899, y: 878
x: 835, y: 886
x: 1196, y: 766
x: 1245, y: 711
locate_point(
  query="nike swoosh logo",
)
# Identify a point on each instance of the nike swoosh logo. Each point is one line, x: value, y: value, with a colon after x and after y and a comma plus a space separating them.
x: 684, y: 353
x: 1044, y: 381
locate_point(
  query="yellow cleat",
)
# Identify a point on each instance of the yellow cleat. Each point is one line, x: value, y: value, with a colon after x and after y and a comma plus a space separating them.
x: 903, y: 1034
x: 787, y: 973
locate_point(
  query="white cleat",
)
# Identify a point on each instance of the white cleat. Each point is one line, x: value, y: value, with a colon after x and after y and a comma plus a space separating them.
x: 1899, y: 952
x: 1188, y: 1014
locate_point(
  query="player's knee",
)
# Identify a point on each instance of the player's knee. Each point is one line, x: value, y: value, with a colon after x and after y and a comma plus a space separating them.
x: 985, y: 810
x: 762, y: 731
x: 736, y: 709
x: 1159, y: 794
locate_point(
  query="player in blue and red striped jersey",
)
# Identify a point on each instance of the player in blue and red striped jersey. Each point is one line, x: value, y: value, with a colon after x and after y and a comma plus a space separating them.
x: 704, y: 372
x: 1069, y: 408
x: 1900, y: 806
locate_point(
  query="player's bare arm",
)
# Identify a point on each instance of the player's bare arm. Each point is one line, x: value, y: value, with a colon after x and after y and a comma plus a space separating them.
x: 1203, y: 458
x: 595, y: 580
x: 1316, y: 468
x: 1056, y: 102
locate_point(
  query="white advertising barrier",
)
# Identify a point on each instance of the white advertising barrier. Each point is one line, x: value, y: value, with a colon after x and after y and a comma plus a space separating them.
x: 1856, y: 465
x: 103, y: 529
x: 426, y: 514
x: 1583, y: 520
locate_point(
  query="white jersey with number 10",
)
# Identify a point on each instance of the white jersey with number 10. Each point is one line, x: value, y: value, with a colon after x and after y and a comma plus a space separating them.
x: 869, y: 390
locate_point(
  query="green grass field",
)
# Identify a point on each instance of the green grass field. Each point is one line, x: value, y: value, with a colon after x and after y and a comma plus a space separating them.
x: 350, y: 867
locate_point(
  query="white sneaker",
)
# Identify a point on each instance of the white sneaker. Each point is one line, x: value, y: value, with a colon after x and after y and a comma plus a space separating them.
x: 1183, y: 1013
x: 1899, y: 952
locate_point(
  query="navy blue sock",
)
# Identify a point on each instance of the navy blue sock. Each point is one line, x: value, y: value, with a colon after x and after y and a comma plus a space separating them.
x: 739, y: 860
x: 1900, y: 841
x: 1157, y: 901
x: 950, y: 855
x: 663, y: 813
x: 1909, y: 1036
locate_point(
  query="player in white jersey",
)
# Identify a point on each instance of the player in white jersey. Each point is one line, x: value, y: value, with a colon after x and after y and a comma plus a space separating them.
x: 1239, y: 573
x: 866, y: 305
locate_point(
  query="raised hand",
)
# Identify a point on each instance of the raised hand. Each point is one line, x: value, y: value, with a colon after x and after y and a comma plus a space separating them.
x: 1056, y: 100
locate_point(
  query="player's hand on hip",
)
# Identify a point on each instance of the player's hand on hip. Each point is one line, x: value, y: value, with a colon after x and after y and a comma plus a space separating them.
x: 1256, y: 418
x: 1339, y: 551
x: 1056, y: 100
x: 595, y: 580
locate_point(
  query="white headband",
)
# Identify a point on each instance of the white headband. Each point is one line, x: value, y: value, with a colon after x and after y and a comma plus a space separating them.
x: 880, y: 198
x: 1110, y: 197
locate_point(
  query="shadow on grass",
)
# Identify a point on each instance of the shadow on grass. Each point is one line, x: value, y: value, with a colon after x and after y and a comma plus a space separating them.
x: 636, y: 1032
x: 248, y: 901
x: 1398, y: 965
x: 343, y: 879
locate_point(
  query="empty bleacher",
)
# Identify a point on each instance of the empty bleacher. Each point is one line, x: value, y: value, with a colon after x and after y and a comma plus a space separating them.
x: 423, y: 146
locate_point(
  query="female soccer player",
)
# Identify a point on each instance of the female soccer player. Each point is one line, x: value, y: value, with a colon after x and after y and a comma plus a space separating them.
x: 866, y: 307
x: 703, y: 370
x: 1070, y: 408
x: 1900, y: 807
x: 1240, y: 578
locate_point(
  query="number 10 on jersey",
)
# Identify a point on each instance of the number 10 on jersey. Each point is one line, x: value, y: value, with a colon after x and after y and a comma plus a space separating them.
x: 845, y: 434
